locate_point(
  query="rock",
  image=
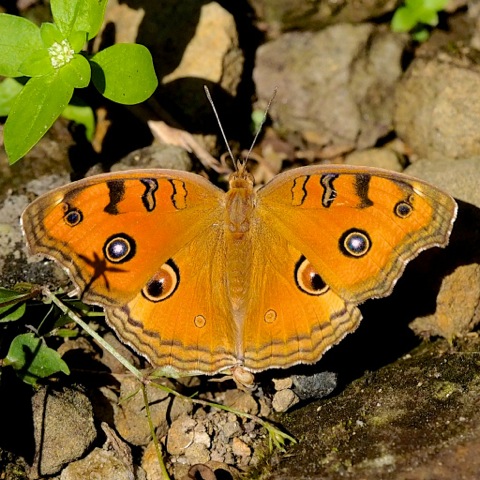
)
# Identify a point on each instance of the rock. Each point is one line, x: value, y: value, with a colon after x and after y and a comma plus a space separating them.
x: 437, y: 107
x: 181, y: 435
x: 113, y: 443
x: 63, y: 429
x: 460, y: 178
x: 10, y: 234
x: 242, y: 401
x: 265, y: 407
x: 15, y: 264
x: 202, y: 45
x: 46, y: 183
x: 197, y: 453
x: 99, y: 464
x: 130, y: 419
x: 84, y: 345
x: 304, y: 15
x: 213, y: 53
x: 282, y: 383
x: 150, y: 463
x: 200, y: 38
x: 345, y: 93
x: 209, y: 436
x: 49, y: 155
x: 110, y: 361
x: 231, y: 427
x: 417, y: 418
x: 241, y: 449
x: 318, y: 385
x: 376, y: 157
x: 458, y: 306
x: 155, y: 156
x: 192, y: 44
x: 474, y: 14
x: 284, y: 400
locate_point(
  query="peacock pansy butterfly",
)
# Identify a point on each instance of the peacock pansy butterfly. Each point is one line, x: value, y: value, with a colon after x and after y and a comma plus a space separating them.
x: 199, y: 280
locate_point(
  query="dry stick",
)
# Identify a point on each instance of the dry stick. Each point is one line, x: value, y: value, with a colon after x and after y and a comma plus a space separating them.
x: 156, y: 443
x: 92, y: 333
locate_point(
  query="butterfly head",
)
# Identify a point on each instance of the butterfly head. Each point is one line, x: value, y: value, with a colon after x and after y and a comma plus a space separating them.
x: 241, y: 177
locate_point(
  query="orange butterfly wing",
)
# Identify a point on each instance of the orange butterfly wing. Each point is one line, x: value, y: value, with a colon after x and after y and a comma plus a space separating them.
x: 114, y: 232
x: 328, y: 238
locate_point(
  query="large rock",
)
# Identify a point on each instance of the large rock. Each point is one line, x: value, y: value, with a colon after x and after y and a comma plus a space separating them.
x: 438, y: 107
x: 335, y: 87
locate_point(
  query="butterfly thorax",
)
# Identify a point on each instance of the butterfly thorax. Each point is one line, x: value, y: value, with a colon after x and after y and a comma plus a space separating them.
x: 239, y: 205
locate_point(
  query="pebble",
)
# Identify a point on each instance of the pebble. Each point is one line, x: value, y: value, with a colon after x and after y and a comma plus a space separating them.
x: 63, y: 428
x: 99, y: 464
x: 282, y: 383
x: 181, y: 435
x: 242, y: 401
x: 283, y: 400
x: 197, y: 453
x: 240, y: 448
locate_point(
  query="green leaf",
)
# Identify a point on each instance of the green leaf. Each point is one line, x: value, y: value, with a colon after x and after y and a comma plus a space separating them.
x: 50, y: 34
x: 77, y: 72
x: 9, y: 89
x: 436, y: 5
x: 9, y: 296
x: 83, y: 115
x: 403, y: 20
x: 421, y: 35
x: 429, y: 17
x: 78, y: 15
x: 32, y: 359
x: 66, y: 333
x: 19, y: 38
x: 33, y: 112
x: 77, y: 40
x: 10, y: 310
x: 11, y: 313
x: 37, y: 64
x: 124, y: 73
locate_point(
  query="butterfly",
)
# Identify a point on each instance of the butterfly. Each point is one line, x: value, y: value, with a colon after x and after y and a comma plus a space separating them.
x: 199, y: 280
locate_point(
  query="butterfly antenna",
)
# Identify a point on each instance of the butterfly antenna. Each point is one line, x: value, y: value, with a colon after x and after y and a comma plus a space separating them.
x: 209, y: 97
x: 264, y: 119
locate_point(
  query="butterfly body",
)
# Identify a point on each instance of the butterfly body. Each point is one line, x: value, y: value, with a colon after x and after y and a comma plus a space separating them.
x: 239, y: 243
x: 200, y: 280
